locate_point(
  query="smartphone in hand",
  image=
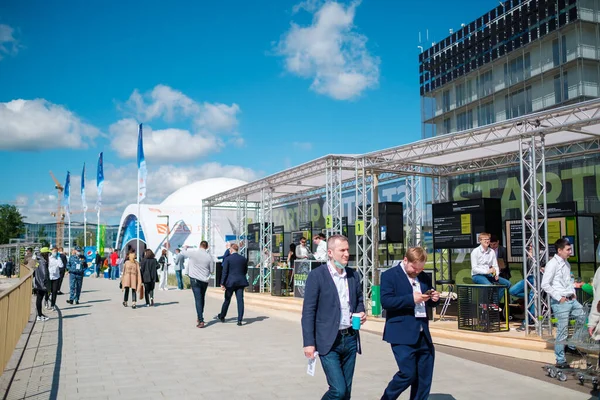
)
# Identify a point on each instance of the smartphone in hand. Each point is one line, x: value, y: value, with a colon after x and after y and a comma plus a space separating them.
x: 428, y: 293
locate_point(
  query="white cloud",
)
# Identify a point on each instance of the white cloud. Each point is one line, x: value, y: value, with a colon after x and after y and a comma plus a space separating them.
x: 9, y: 45
x: 330, y: 51
x: 208, y: 125
x: 164, y: 145
x: 120, y: 188
x: 38, y: 124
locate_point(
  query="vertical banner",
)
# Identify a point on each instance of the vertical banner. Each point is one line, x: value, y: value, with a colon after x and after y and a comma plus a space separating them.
x: 99, y: 181
x: 67, y: 196
x: 141, y: 162
x: 101, y: 234
x: 83, y: 201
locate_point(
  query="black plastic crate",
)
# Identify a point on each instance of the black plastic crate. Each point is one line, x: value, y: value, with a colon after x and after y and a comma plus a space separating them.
x: 479, y: 308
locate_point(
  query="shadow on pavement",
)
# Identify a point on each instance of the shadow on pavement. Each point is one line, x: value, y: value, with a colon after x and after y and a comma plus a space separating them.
x: 441, y: 396
x: 58, y: 362
x: 165, y: 304
x: 75, y: 307
x: 75, y: 315
x: 253, y: 320
x: 98, y: 301
x: 88, y: 291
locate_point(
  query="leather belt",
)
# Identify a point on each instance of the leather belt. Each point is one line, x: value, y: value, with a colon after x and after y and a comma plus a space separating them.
x: 347, y: 332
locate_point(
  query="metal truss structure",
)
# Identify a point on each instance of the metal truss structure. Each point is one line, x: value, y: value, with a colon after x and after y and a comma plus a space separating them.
x: 535, y: 230
x: 207, y: 223
x: 440, y: 195
x: 266, y: 238
x: 333, y: 196
x: 242, y: 224
x: 528, y: 142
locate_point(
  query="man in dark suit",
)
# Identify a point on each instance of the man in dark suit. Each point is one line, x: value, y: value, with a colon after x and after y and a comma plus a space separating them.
x: 406, y: 291
x: 233, y: 279
x: 501, y: 256
x: 333, y: 292
x: 63, y: 270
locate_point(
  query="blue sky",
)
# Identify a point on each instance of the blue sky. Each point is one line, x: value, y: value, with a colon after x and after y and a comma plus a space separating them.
x: 227, y: 88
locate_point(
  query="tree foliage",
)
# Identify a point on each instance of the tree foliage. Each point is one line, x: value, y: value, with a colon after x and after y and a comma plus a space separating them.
x: 11, y: 223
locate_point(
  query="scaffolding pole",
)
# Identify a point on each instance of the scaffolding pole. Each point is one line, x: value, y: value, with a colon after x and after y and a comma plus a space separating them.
x: 440, y: 195
x: 206, y: 225
x: 534, y: 230
x: 333, y: 197
x: 364, y: 230
x: 414, y: 222
x: 266, y: 238
x: 242, y: 224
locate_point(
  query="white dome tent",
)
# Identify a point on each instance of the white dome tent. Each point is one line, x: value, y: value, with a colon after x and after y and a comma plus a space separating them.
x: 184, y: 211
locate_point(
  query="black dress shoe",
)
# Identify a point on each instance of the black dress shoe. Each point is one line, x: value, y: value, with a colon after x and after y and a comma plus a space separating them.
x: 562, y: 365
x: 70, y: 301
x: 77, y: 302
x: 239, y: 323
x: 60, y: 293
x: 219, y: 318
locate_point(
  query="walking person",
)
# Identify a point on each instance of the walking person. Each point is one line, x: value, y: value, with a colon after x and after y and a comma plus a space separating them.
x: 113, y: 270
x: 40, y: 276
x: 406, y: 291
x: 76, y: 267
x: 63, y: 270
x: 179, y: 260
x: 131, y: 279
x: 98, y: 262
x: 149, y: 270
x: 200, y: 266
x: 557, y: 283
x: 10, y: 267
x: 332, y: 294
x: 233, y: 280
x: 54, y: 266
x: 163, y: 261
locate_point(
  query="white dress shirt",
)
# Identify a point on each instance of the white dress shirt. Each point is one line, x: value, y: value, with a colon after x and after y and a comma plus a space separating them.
x: 301, y: 251
x: 321, y: 253
x: 54, y: 266
x: 420, y: 310
x: 341, y: 284
x: 557, y: 278
x: 481, y: 261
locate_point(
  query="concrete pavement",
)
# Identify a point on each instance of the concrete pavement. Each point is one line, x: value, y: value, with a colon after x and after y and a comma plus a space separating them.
x: 101, y: 350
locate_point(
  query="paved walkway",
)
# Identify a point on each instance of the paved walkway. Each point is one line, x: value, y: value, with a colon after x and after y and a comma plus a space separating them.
x: 101, y: 350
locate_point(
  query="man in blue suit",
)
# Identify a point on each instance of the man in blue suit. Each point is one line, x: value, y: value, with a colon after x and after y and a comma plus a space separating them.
x: 233, y: 279
x: 332, y: 294
x: 406, y: 291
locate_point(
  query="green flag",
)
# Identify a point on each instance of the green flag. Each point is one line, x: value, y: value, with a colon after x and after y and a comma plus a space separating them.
x: 102, y: 234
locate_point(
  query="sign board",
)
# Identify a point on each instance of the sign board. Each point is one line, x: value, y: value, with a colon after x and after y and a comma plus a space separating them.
x: 329, y: 222
x: 360, y: 227
x: 253, y: 236
x: 557, y: 228
x: 277, y: 244
x: 457, y: 224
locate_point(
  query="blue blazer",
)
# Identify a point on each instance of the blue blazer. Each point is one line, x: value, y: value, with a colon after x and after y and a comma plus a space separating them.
x: 235, y: 268
x: 401, y: 325
x: 321, y: 307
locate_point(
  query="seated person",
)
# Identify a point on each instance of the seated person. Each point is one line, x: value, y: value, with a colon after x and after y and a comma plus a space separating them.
x: 484, y: 265
x: 518, y: 289
x: 501, y: 257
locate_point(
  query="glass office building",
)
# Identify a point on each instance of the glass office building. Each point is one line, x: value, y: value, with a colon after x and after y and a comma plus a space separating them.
x: 35, y: 232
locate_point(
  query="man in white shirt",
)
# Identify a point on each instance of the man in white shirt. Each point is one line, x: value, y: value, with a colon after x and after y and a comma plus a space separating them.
x: 484, y: 265
x: 301, y: 250
x: 200, y: 266
x: 557, y: 283
x: 321, y: 242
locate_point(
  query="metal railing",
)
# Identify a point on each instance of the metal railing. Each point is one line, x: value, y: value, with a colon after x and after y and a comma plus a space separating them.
x: 15, y: 307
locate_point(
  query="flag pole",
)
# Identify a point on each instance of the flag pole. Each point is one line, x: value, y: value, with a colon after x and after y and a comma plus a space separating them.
x: 84, y: 204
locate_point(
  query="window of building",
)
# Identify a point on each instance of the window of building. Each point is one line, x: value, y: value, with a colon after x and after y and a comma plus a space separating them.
x: 484, y: 84
x: 527, y: 66
x: 446, y: 101
x: 447, y: 125
x: 518, y: 103
x: 461, y: 97
x: 557, y: 90
x: 464, y: 121
x: 561, y: 89
x: 564, y: 49
x: 485, y: 114
x: 565, y: 86
x: 515, y: 70
x: 555, y: 53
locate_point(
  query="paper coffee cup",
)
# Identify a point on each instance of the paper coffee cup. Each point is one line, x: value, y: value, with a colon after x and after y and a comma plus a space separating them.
x: 356, y: 321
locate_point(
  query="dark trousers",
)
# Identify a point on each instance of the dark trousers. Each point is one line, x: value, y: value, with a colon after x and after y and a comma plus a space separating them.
x: 39, y: 296
x: 149, y: 289
x: 199, y: 290
x: 239, y: 296
x: 338, y: 366
x: 60, y: 280
x: 415, y: 370
x: 179, y: 280
x: 126, y: 296
x: 54, y: 288
x: 75, y: 282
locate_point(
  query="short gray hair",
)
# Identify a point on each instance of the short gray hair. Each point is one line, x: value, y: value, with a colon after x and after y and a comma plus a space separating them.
x: 333, y: 238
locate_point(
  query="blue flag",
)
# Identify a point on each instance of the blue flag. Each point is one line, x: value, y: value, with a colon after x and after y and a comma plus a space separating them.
x: 67, y: 196
x: 83, y: 201
x: 100, y: 181
x: 142, y: 171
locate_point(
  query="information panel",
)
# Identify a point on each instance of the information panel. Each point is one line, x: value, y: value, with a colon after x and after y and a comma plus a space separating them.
x: 304, y: 230
x: 277, y: 243
x: 254, y: 236
x: 457, y: 224
x: 556, y: 230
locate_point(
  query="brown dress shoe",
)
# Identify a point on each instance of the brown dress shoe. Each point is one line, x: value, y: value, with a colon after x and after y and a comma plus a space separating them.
x: 200, y: 325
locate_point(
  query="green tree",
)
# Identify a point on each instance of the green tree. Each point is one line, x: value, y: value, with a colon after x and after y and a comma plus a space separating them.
x: 42, y: 236
x: 11, y: 223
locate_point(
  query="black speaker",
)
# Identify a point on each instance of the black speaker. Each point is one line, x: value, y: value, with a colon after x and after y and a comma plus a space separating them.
x: 391, y: 222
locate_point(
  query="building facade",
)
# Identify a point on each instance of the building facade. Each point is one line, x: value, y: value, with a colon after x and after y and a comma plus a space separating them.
x: 35, y: 233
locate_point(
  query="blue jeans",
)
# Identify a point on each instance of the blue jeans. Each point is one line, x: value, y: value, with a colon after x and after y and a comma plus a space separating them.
x: 488, y: 279
x: 114, y: 271
x: 179, y: 279
x: 199, y: 290
x: 338, y: 366
x: 563, y: 312
x: 518, y: 290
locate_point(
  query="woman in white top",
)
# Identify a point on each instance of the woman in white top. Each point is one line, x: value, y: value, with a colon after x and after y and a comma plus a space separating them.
x: 55, y: 264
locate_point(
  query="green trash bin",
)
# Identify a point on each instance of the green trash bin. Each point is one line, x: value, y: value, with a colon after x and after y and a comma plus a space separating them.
x: 375, y: 300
